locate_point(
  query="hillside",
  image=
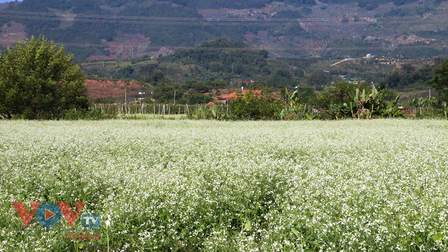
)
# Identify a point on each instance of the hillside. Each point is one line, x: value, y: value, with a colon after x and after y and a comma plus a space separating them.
x: 117, y: 29
x: 221, y: 66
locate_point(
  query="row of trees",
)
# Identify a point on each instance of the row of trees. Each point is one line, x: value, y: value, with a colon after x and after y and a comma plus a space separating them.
x: 344, y: 100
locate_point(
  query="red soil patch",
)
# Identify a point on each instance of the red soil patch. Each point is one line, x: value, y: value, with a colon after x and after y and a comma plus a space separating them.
x: 107, y: 88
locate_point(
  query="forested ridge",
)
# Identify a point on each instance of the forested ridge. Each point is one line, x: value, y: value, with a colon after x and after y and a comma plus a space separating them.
x: 286, y: 28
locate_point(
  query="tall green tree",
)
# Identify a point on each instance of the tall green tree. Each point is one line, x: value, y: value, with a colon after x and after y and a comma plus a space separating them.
x: 39, y: 81
x: 440, y: 82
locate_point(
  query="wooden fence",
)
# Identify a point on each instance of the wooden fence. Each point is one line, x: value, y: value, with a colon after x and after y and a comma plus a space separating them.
x: 421, y: 111
x: 172, y: 109
x: 156, y: 109
x: 183, y: 109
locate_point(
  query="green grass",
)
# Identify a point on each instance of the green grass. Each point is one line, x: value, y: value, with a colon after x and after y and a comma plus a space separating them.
x: 181, y: 185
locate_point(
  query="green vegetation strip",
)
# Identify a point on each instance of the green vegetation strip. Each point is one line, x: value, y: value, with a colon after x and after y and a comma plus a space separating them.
x: 251, y: 186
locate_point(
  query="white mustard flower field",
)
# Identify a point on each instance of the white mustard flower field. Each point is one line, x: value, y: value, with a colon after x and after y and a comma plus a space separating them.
x: 229, y: 186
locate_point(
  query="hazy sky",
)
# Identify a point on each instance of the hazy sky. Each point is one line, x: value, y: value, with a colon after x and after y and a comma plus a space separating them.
x: 6, y: 1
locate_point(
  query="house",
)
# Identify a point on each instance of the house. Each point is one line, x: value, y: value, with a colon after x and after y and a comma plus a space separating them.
x: 141, y: 95
x: 142, y: 92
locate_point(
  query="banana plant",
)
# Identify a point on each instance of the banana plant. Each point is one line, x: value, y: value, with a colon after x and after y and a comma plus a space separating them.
x: 341, y: 109
x: 420, y: 104
x: 374, y: 102
x: 293, y: 99
x: 293, y: 103
x: 360, y: 101
x: 370, y: 104
x: 391, y: 109
x: 334, y: 110
x: 282, y: 114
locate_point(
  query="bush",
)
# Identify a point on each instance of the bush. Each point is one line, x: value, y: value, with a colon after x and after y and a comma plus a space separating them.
x: 251, y: 107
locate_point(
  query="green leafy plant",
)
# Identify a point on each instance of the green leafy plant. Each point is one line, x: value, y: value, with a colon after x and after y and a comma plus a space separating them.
x: 251, y: 107
x: 39, y: 81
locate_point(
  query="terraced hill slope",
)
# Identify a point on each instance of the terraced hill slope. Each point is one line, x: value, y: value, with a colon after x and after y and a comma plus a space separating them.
x: 116, y: 29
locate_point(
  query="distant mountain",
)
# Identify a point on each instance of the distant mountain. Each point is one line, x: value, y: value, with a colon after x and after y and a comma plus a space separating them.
x: 124, y: 29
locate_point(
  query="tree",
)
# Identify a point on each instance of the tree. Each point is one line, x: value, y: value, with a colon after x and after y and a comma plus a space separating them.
x: 39, y: 81
x: 250, y: 107
x: 440, y: 82
x: 319, y: 79
x: 342, y: 92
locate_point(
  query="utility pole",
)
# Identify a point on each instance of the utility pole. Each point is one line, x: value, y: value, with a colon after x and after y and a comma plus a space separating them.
x: 429, y: 92
x: 174, y: 97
